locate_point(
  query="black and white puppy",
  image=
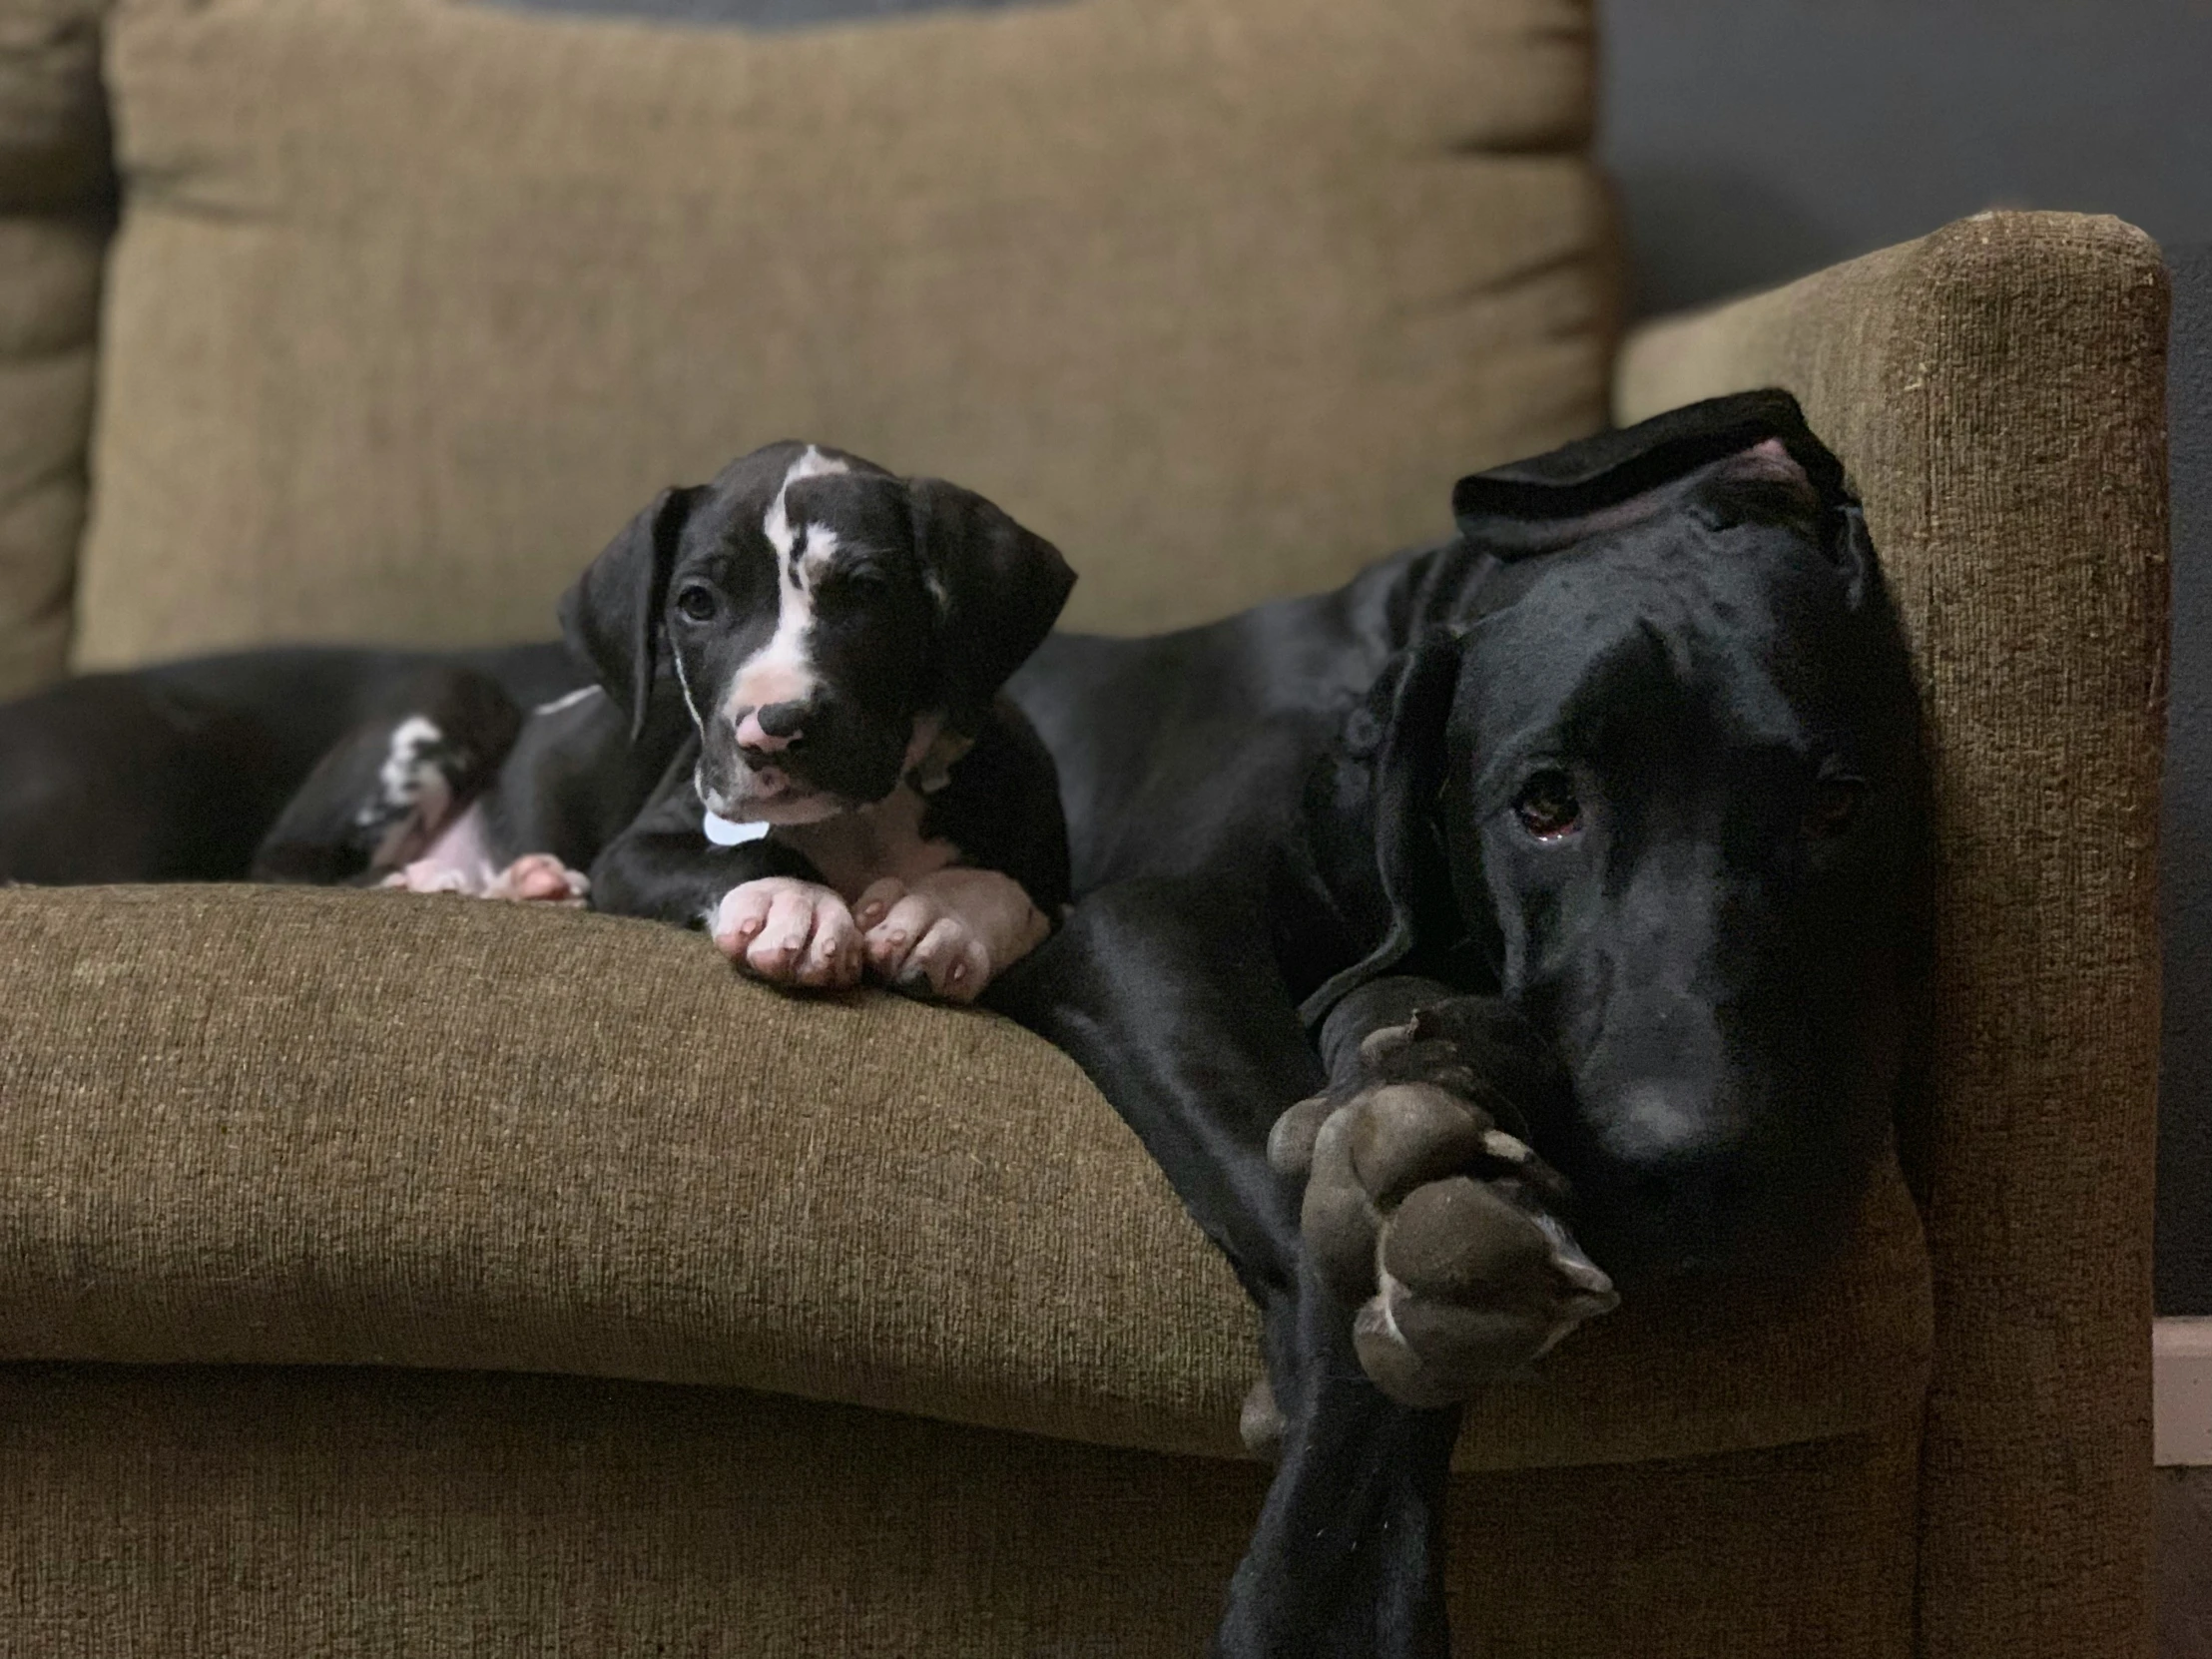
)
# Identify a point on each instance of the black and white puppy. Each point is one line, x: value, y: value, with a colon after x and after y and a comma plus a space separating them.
x: 855, y: 795
x: 796, y: 739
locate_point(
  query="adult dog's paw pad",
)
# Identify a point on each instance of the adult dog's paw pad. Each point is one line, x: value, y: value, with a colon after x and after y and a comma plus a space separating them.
x: 1337, y: 1218
x: 1462, y: 1240
x: 1476, y: 1280
x: 1291, y: 1141
x: 1404, y: 1134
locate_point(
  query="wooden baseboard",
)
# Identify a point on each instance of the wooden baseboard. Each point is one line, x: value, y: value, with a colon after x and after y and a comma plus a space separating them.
x: 2181, y: 1369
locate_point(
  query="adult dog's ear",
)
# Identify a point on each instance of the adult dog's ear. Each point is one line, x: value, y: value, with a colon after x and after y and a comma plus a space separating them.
x: 1624, y: 477
x: 998, y: 589
x: 611, y: 616
x: 1372, y: 825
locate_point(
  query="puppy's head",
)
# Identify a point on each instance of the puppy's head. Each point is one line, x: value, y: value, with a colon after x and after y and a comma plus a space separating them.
x: 1667, y: 791
x: 831, y: 629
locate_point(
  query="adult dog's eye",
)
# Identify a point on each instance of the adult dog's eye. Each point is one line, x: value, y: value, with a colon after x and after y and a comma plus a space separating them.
x: 1546, y: 805
x: 697, y: 603
x: 1833, y: 804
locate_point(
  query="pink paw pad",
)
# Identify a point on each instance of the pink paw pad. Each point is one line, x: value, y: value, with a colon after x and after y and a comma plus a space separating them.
x: 540, y: 878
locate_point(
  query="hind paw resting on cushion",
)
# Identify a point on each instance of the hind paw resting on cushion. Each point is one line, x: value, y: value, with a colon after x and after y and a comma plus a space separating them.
x: 533, y: 879
x: 540, y: 878
x: 1439, y: 1227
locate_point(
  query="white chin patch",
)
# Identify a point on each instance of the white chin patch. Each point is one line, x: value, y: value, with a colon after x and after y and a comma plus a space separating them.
x: 723, y: 832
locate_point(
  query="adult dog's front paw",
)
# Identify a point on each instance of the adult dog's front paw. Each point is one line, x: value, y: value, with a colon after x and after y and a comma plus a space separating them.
x: 918, y: 943
x: 790, y: 932
x: 1436, y: 1224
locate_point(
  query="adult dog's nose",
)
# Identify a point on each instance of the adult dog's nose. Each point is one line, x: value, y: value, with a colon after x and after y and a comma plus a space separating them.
x: 770, y: 728
x: 1671, y: 1177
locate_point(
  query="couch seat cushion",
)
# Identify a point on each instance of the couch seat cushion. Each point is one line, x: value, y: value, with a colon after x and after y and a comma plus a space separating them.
x: 282, y: 1126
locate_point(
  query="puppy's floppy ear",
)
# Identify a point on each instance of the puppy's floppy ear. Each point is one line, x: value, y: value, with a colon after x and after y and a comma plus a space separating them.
x: 998, y: 590
x: 1622, y: 478
x: 611, y: 616
x: 1372, y: 825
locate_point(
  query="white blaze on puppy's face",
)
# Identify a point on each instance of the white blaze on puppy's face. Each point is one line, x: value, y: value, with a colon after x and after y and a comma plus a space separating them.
x: 783, y: 670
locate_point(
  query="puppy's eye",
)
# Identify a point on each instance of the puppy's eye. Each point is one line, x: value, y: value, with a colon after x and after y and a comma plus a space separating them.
x: 861, y: 582
x: 697, y: 603
x: 1833, y: 804
x: 1546, y: 805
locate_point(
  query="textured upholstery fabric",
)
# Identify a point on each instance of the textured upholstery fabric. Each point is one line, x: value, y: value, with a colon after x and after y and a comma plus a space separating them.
x: 416, y: 301
x: 279, y: 1127
x: 1997, y: 393
x: 268, y: 1513
x: 55, y: 188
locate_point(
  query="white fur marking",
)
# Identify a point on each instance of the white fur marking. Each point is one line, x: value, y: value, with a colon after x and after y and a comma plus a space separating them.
x: 684, y: 679
x: 723, y: 832
x: 569, y: 701
x: 781, y: 670
x: 400, y: 776
x: 812, y: 463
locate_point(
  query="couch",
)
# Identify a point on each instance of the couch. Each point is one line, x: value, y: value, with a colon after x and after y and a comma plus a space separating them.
x: 384, y: 1274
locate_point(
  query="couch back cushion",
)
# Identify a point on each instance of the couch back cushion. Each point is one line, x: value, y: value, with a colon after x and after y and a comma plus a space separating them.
x: 56, y: 199
x: 415, y: 301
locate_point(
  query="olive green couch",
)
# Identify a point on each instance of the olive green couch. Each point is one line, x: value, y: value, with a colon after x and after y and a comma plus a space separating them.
x: 397, y: 1276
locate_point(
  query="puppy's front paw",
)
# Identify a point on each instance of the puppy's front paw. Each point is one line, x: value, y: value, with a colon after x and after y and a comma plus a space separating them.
x: 917, y: 944
x: 1437, y: 1225
x: 790, y: 932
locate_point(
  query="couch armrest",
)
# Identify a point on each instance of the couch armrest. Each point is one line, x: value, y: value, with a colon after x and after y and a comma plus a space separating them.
x: 56, y: 199
x: 1997, y: 391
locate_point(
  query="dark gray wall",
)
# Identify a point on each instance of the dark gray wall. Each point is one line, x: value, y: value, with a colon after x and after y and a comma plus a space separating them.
x: 2185, y: 854
x: 1756, y: 140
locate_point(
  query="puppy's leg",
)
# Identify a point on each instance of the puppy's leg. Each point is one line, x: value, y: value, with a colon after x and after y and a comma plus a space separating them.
x: 762, y: 903
x: 1165, y: 993
x: 946, y: 934
x: 381, y: 796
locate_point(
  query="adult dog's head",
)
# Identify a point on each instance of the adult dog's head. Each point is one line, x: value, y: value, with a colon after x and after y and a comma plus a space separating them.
x: 831, y: 628
x: 1666, y: 787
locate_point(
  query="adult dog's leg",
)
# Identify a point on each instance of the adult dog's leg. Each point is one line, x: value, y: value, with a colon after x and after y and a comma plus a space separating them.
x: 1165, y: 993
x: 1426, y: 1207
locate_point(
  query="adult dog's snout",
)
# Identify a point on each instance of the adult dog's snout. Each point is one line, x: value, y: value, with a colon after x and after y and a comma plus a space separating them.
x: 1675, y: 1175
x: 769, y: 729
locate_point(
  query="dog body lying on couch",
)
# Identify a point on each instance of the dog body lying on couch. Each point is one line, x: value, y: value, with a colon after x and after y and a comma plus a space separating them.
x: 1592, y: 838
x: 795, y: 739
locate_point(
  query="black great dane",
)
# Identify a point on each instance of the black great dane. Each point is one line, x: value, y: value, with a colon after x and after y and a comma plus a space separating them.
x: 1562, y: 881
x: 1600, y: 829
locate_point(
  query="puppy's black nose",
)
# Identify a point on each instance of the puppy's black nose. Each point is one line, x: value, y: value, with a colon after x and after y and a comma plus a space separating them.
x: 782, y: 720
x: 772, y: 727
